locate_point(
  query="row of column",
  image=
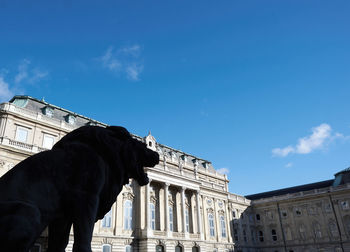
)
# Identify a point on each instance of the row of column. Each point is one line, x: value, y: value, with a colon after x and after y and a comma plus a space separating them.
x: 166, y: 212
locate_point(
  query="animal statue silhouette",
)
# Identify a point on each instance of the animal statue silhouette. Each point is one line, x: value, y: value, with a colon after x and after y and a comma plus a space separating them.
x: 74, y: 183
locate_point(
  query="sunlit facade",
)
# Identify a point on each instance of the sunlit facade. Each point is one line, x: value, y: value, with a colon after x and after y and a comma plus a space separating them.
x: 186, y: 206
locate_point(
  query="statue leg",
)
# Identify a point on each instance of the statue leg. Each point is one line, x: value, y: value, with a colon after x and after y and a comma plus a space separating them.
x: 20, y: 225
x: 59, y: 235
x: 84, y: 215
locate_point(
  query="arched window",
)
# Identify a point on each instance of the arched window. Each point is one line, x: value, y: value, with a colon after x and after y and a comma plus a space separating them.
x: 333, y: 229
x: 128, y: 215
x: 274, y: 234
x: 302, y: 232
x: 107, y: 220
x: 159, y: 248
x: 106, y: 248
x: 211, y: 224
x: 152, y: 216
x: 261, y: 236
x: 187, y: 220
x: 317, y: 230
x: 128, y: 248
x: 171, y: 219
x: 223, y: 226
x: 178, y: 248
x: 195, y: 249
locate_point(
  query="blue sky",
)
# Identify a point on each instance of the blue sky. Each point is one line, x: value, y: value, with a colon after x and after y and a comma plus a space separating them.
x: 259, y: 88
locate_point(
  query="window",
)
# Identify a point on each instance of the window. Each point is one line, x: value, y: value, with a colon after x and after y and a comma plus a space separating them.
x: 178, y: 248
x: 317, y: 230
x: 284, y: 213
x: 252, y: 234
x: 298, y: 212
x: 150, y: 144
x: 223, y: 226
x: 344, y: 205
x: 159, y: 248
x: 234, y: 214
x: 257, y: 216
x: 274, y: 234
x: 153, y: 216
x: 128, y: 215
x: 21, y: 134
x: 211, y: 224
x: 187, y: 220
x: 302, y: 232
x: 244, y: 235
x: 333, y: 229
x: 261, y: 236
x: 107, y: 220
x: 48, y: 141
x: 235, y: 234
x: 171, y: 219
x: 128, y: 248
x: 106, y: 248
x: 195, y: 249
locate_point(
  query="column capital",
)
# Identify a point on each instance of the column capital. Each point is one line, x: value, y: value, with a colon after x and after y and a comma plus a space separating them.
x: 166, y: 184
x: 183, y: 188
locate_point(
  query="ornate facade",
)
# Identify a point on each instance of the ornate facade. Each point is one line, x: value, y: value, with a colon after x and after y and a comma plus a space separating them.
x: 187, y: 205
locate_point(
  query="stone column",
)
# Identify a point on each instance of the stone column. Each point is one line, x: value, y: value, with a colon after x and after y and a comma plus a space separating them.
x: 216, y: 221
x: 228, y: 225
x: 166, y: 207
x: 205, y: 223
x: 183, y: 209
x: 199, y: 218
x: 147, y: 212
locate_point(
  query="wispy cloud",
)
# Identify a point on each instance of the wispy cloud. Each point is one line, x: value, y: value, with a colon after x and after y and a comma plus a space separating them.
x: 290, y: 164
x: 14, y: 80
x: 31, y: 75
x: 320, y: 137
x: 5, y: 92
x: 223, y: 171
x: 124, y: 60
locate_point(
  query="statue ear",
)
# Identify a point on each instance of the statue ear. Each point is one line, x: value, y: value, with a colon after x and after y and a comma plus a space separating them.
x: 119, y: 132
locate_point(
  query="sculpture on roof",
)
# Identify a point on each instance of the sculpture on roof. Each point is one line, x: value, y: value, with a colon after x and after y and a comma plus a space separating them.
x: 75, y: 183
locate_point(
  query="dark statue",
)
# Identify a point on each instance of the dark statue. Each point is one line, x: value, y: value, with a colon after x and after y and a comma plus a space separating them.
x: 75, y: 183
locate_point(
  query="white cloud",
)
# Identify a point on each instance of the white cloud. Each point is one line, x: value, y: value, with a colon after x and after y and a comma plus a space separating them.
x: 315, y: 141
x: 223, y: 171
x: 282, y: 152
x: 30, y: 75
x: 5, y: 92
x: 320, y: 137
x: 110, y: 62
x: 131, y: 50
x: 22, y: 71
x: 290, y: 164
x: 133, y: 71
x: 123, y: 61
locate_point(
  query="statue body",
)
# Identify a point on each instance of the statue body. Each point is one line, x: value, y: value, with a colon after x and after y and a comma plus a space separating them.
x: 75, y: 183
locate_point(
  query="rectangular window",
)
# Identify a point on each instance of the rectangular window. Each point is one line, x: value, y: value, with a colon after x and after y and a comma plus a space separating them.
x: 21, y: 134
x: 187, y: 221
x: 223, y: 226
x: 153, y: 216
x: 211, y: 225
x: 107, y: 220
x: 235, y: 234
x: 171, y: 219
x: 48, y: 141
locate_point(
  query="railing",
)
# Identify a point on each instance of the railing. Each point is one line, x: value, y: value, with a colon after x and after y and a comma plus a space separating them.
x: 20, y: 144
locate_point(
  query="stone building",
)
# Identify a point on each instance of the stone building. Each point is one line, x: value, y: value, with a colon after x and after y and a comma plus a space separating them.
x: 186, y: 207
